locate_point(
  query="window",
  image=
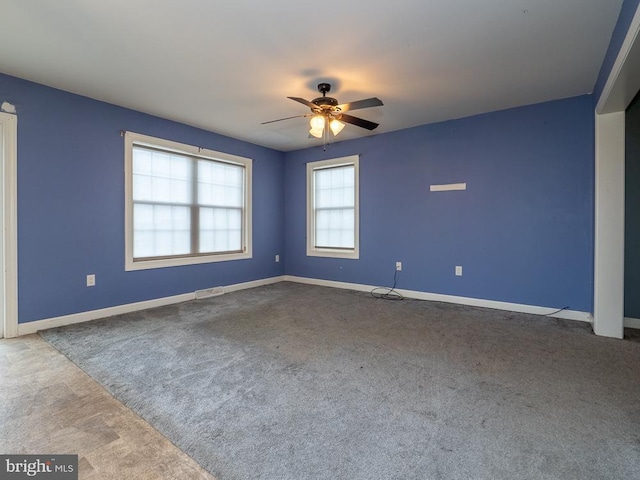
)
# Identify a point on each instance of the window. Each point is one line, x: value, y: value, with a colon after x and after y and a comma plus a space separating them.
x: 332, y: 208
x: 184, y: 204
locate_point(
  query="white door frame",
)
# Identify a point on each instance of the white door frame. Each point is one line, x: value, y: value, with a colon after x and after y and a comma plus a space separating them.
x: 621, y: 87
x: 9, y: 225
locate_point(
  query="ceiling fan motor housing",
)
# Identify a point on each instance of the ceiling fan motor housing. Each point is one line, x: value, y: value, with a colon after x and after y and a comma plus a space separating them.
x: 325, y: 102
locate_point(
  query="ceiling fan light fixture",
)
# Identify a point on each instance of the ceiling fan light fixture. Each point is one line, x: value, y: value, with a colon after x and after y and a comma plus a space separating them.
x: 336, y: 126
x: 317, y: 122
x: 316, y: 132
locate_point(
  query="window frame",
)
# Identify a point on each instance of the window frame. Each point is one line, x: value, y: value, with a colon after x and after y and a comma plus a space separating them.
x: 131, y: 139
x: 312, y: 250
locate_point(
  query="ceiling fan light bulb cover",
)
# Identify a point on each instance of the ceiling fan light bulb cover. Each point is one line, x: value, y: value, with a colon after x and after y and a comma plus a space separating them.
x: 316, y: 132
x: 336, y: 126
x: 317, y: 122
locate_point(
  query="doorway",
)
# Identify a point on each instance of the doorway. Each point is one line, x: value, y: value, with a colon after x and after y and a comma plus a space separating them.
x: 620, y: 88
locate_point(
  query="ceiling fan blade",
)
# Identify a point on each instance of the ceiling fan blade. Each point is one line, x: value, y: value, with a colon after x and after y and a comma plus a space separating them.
x: 304, y: 102
x: 366, y: 103
x: 286, y: 118
x: 359, y: 122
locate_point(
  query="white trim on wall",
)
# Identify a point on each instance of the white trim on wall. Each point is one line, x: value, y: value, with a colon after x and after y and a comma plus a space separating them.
x: 437, y: 297
x: 33, y: 327
x: 9, y: 222
x: 608, y: 285
x: 630, y: 322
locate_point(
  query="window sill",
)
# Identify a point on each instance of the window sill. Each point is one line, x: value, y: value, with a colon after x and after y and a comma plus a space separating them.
x: 176, y: 262
x: 330, y: 253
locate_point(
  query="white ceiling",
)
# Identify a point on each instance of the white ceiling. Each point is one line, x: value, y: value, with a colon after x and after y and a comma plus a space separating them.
x: 227, y: 66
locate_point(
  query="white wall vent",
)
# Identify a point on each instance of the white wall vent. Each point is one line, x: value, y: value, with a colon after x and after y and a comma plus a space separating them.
x: 209, y: 292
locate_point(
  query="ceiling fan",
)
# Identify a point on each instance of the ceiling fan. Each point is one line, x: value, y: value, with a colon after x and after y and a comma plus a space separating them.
x: 326, y: 111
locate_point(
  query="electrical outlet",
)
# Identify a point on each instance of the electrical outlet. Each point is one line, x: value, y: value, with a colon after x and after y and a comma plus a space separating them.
x: 398, y: 266
x: 277, y: 258
x: 91, y: 280
x: 458, y: 270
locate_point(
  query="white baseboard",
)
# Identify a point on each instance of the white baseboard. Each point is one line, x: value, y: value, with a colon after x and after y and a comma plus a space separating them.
x: 630, y: 322
x: 254, y: 283
x: 33, y: 327
x: 436, y: 297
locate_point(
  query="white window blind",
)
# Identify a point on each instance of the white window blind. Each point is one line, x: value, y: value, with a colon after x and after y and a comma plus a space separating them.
x: 184, y: 205
x: 335, y: 207
x: 220, y: 194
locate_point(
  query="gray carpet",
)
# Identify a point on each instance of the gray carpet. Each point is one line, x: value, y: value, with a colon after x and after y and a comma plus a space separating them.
x: 299, y: 382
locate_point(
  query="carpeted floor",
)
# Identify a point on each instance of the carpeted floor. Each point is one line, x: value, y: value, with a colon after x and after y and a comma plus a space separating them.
x: 298, y: 382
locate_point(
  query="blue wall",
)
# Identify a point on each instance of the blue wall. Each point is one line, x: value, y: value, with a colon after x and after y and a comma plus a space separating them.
x: 523, y: 229
x: 71, y: 205
x: 627, y: 11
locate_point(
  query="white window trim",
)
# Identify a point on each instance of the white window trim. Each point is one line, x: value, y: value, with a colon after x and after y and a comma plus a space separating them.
x: 313, y: 251
x: 130, y: 139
